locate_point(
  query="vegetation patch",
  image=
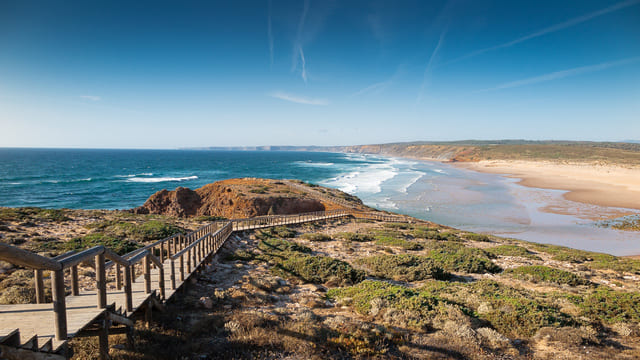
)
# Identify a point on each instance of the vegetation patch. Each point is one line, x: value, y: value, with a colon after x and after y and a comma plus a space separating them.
x: 33, y: 214
x: 316, y: 237
x: 292, y: 259
x: 539, y: 273
x: 280, y: 231
x: 403, y: 267
x: 398, y: 226
x: 609, y: 306
x: 512, y: 250
x: 477, y: 237
x: 349, y: 236
x: 453, y: 256
x: 395, y: 238
x: 516, y: 313
x: 590, y: 259
x: 417, y: 307
x: 320, y: 269
x: 433, y: 234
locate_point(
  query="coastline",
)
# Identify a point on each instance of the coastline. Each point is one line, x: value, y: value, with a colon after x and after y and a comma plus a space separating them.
x: 596, y: 184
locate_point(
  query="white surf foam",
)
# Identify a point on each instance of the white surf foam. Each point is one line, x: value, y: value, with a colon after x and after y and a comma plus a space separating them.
x: 161, y: 179
x: 366, y: 179
x: 313, y: 164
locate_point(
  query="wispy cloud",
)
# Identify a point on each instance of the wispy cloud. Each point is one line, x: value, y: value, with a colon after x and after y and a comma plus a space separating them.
x: 427, y: 71
x: 562, y: 74
x: 378, y: 87
x: 298, y: 99
x: 550, y: 29
x: 91, y: 97
x: 304, y: 66
x: 298, y: 53
x: 270, y: 32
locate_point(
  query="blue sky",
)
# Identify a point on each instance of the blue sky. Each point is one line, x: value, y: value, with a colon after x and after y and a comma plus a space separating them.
x: 168, y: 74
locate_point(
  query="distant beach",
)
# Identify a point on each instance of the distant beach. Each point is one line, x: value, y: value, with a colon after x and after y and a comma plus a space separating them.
x: 604, y: 185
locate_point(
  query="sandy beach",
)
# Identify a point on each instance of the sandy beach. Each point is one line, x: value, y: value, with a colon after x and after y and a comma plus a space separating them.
x: 604, y: 185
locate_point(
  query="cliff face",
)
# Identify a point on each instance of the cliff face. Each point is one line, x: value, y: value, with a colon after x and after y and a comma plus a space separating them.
x: 426, y: 152
x: 233, y: 198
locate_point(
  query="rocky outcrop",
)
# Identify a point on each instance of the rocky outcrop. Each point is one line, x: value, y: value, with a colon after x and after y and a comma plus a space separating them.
x: 233, y: 198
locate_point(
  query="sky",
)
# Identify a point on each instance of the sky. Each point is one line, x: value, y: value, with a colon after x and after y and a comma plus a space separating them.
x: 173, y: 74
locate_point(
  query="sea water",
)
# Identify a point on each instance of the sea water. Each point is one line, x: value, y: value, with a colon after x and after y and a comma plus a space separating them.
x: 122, y: 179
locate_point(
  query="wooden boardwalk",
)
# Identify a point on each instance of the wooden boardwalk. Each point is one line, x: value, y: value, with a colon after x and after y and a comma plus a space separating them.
x: 167, y: 265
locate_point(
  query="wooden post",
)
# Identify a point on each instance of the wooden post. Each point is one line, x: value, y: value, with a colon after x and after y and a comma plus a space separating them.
x: 118, y: 277
x: 75, y: 287
x: 59, y: 305
x: 173, y: 274
x: 133, y: 273
x: 103, y: 340
x: 127, y: 288
x: 181, y: 268
x: 162, y: 252
x: 161, y: 282
x: 147, y: 274
x: 39, y: 287
x: 101, y: 283
x: 148, y: 317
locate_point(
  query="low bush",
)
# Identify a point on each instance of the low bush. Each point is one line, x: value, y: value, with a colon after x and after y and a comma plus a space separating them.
x: 539, y: 273
x: 316, y: 237
x: 280, y: 231
x: 399, y: 242
x: 349, y: 236
x: 453, y: 256
x: 609, y: 306
x: 120, y: 246
x: 320, y: 269
x: 477, y: 237
x: 398, y: 304
x: 512, y: 250
x: 400, y: 226
x: 403, y: 267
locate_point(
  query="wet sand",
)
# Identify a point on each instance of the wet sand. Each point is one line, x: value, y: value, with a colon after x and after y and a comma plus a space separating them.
x: 597, y: 184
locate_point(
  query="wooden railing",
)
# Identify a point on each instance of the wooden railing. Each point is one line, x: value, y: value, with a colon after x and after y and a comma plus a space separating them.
x: 188, y: 251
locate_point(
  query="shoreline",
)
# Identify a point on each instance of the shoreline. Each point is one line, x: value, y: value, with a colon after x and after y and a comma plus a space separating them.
x: 594, y: 184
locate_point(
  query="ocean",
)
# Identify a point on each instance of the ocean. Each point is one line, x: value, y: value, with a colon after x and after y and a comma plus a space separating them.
x: 488, y: 203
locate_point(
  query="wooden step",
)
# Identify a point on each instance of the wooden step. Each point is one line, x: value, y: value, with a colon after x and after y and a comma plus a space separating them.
x: 31, y: 343
x: 47, y: 346
x: 10, y: 337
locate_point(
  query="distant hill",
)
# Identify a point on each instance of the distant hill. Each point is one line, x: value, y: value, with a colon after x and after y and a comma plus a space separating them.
x: 475, y: 150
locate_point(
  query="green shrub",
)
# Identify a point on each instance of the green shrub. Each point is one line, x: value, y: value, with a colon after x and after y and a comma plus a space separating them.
x: 33, y: 213
x: 452, y: 256
x: 349, y: 236
x: 512, y: 250
x: 539, y: 273
x: 273, y: 246
x: 609, y: 306
x: 593, y: 260
x: 320, y: 269
x: 394, y: 241
x: 316, y: 237
x: 280, y: 231
x: 477, y: 237
x: 403, y: 267
x: 433, y: 234
x: 517, y: 313
x: 401, y: 226
x: 120, y: 246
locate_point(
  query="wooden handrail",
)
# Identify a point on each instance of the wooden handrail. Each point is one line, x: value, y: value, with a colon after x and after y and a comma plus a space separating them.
x: 85, y: 255
x: 27, y: 259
